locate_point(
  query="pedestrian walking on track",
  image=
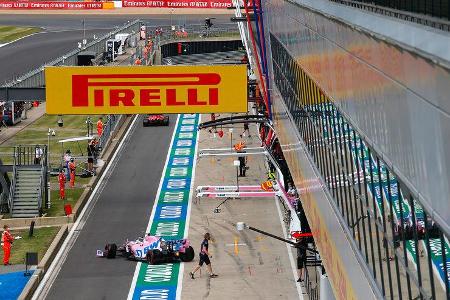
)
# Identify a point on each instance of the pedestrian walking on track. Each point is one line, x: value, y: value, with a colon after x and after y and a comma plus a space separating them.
x: 204, y: 257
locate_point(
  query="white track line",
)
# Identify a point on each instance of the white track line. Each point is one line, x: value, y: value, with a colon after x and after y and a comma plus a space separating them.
x: 25, y: 36
x: 188, y: 217
x: 56, y: 261
x: 152, y: 216
x: 291, y: 258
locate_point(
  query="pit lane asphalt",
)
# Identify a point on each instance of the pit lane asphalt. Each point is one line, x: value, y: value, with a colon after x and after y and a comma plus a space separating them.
x: 121, y: 211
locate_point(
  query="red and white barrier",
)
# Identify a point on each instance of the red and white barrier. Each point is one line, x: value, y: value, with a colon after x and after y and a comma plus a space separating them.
x: 178, y: 3
x: 49, y: 5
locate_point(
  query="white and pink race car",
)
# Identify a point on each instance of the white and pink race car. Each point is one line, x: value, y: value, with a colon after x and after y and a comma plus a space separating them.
x: 151, y: 249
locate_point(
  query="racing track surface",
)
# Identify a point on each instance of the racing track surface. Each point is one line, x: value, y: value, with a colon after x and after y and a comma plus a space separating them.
x: 33, y: 51
x: 63, y: 32
x: 122, y: 211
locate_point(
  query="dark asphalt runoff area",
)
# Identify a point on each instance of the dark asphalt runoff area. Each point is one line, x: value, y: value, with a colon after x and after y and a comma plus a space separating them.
x: 122, y: 211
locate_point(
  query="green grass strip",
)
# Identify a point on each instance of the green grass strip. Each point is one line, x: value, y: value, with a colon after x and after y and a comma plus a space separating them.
x: 12, y: 33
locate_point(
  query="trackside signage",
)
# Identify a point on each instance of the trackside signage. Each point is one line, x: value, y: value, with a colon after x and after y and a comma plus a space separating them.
x: 170, y: 213
x: 152, y: 89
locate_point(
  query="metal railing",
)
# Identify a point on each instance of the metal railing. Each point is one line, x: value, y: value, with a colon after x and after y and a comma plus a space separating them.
x: 416, y: 11
x: 24, y: 155
x: 12, y: 187
x: 404, y: 249
x: 35, y: 78
x: 192, y: 31
x: 109, y: 126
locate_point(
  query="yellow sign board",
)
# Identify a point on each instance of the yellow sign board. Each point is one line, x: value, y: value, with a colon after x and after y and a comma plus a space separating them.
x: 140, y: 90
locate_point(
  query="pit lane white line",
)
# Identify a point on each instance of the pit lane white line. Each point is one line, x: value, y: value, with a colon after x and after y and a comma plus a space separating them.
x: 289, y: 250
x: 55, y: 267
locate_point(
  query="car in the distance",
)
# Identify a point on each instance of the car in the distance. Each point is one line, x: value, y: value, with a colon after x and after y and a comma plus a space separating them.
x: 155, y: 120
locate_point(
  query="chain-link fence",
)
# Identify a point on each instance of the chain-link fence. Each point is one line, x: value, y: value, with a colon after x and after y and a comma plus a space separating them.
x: 111, y: 124
x: 36, y: 78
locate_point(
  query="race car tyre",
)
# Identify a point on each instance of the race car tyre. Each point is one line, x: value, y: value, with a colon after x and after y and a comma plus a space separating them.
x: 111, y: 250
x: 154, y: 256
x: 188, y: 254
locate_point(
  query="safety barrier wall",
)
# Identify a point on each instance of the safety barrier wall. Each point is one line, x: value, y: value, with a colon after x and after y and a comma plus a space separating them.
x: 178, y: 3
x: 66, y: 5
x: 54, y: 5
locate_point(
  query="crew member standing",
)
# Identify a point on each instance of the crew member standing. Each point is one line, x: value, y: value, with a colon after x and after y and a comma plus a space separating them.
x: 301, y: 258
x: 7, y: 240
x: 90, y: 152
x: 67, y: 158
x: 72, y: 168
x: 38, y: 156
x: 62, y: 184
x: 242, y: 165
x: 100, y: 127
x: 204, y: 257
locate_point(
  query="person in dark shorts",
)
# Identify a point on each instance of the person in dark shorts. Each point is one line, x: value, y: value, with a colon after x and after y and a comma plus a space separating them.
x: 90, y: 153
x: 301, y: 257
x: 204, y: 258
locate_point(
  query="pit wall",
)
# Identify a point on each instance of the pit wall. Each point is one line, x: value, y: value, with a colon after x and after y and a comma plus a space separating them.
x: 87, y: 5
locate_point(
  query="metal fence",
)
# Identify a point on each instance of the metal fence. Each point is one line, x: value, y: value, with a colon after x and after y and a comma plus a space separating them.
x: 36, y: 78
x: 433, y: 13
x: 110, y: 125
x: 406, y: 251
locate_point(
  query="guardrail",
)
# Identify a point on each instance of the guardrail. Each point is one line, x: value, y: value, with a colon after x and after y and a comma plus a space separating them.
x: 35, y: 78
x: 12, y: 187
x: 109, y: 126
x: 406, y: 12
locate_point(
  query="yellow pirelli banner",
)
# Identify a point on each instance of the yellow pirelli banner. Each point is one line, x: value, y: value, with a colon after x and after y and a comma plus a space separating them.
x: 140, y: 90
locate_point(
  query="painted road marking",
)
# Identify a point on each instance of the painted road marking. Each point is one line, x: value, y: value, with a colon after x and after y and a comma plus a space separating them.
x: 170, y: 213
x: 289, y: 250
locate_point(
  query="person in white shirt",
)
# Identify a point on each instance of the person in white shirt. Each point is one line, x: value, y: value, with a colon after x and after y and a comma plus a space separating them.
x: 67, y: 158
x: 38, y: 155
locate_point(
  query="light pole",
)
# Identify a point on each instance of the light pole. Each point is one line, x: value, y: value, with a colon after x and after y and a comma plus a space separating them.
x: 237, y: 163
x: 84, y: 32
x: 231, y: 137
x: 88, y: 125
x: 51, y: 132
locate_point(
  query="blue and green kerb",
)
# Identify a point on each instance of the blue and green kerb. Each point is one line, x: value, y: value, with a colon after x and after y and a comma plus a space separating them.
x: 171, y: 210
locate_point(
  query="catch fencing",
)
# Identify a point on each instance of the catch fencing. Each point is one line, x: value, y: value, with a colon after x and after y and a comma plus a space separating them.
x: 36, y: 78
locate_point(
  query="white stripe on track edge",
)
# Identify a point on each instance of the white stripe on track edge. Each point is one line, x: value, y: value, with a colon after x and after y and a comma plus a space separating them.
x: 50, y: 270
x: 291, y: 258
x: 188, y: 214
x: 152, y: 216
